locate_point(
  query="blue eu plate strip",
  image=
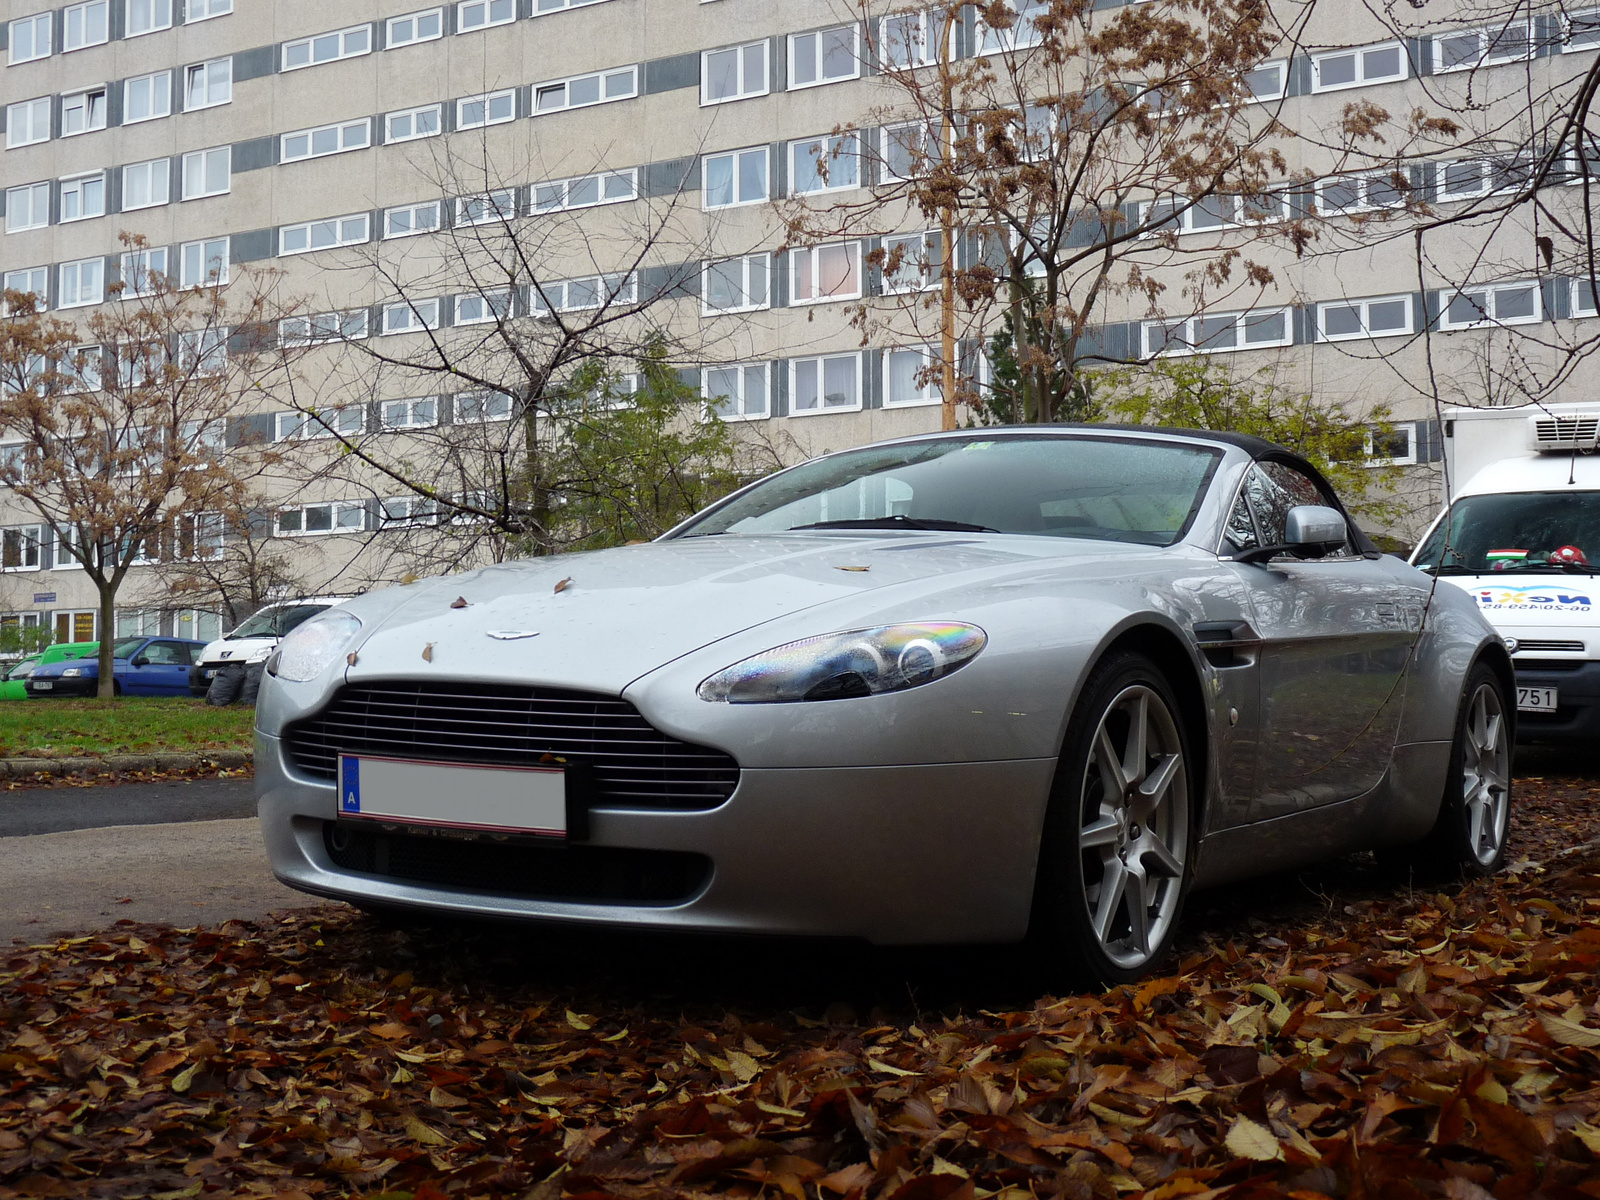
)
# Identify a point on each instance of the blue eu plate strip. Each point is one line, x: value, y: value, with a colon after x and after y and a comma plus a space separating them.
x: 349, y: 784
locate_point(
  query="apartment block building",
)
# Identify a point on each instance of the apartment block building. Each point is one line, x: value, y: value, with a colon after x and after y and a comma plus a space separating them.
x: 342, y: 147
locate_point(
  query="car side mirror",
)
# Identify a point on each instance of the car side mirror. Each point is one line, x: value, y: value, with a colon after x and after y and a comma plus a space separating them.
x: 141, y: 661
x: 1313, y: 530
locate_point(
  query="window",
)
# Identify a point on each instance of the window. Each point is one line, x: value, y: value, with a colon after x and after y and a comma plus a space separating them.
x: 819, y: 273
x: 27, y: 207
x: 584, y: 90
x: 419, y: 412
x: 193, y: 623
x: 826, y: 56
x: 908, y: 149
x: 324, y: 235
x: 138, y: 269
x: 411, y: 219
x: 80, y: 283
x: 28, y: 123
x: 146, y: 97
x: 734, y: 73
x: 347, y: 517
x: 203, y: 351
x: 411, y: 123
x: 83, y: 112
x: 410, y: 316
x: 1496, y: 304
x: 1346, y: 320
x: 828, y: 164
x: 495, y: 108
x: 146, y: 184
x: 408, y: 510
x: 735, y: 284
x: 1483, y: 176
x: 34, y: 280
x: 1583, y: 304
x: 480, y: 14
x: 29, y: 38
x: 613, y: 187
x: 422, y: 26
x: 326, y: 139
x: 201, y: 10
x: 540, y: 7
x: 909, y: 379
x: 206, y: 173
x: 1211, y: 212
x: 911, y: 263
x: 208, y: 83
x: 477, y: 407
x: 828, y: 383
x: 738, y: 392
x: 1269, y: 81
x: 203, y: 264
x: 19, y: 547
x: 345, y: 421
x: 1339, y: 69
x: 493, y: 206
x: 327, y: 47
x: 147, y: 16
x: 85, y: 24
x: 1021, y: 33
x: 1362, y: 193
x: 1392, y: 447
x: 476, y: 308
x: 350, y: 325
x: 83, y: 197
x: 903, y: 41
x: 1211, y: 333
x: 592, y: 291
x: 738, y: 177
x: 1469, y: 48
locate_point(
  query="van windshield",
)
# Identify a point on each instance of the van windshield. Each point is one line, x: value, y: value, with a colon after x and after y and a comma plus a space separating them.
x: 1519, y: 531
x: 274, y: 622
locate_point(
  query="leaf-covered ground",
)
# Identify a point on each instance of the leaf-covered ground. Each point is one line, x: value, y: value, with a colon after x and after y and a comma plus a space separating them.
x: 1335, y: 1033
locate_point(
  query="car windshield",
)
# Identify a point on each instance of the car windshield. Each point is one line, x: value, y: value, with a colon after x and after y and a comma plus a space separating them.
x: 123, y: 647
x: 1518, y: 531
x: 1112, y: 489
x: 274, y: 622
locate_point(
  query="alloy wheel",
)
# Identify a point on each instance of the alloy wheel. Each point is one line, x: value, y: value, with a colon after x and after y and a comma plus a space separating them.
x: 1485, y: 774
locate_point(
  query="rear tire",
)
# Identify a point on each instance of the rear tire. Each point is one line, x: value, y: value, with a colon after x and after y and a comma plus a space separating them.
x: 1469, y: 838
x: 1115, y: 859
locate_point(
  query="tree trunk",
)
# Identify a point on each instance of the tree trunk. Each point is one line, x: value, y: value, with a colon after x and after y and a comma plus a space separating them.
x: 108, y: 616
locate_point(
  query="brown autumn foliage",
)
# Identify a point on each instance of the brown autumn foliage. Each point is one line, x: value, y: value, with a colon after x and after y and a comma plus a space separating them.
x: 1376, y: 1040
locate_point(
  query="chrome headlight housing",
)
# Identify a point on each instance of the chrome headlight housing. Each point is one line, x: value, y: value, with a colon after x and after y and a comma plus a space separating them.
x: 840, y: 666
x: 312, y: 647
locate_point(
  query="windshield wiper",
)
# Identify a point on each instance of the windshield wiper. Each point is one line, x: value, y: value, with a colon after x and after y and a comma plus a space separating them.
x: 900, y: 522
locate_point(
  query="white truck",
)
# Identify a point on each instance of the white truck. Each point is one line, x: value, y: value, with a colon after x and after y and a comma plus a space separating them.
x: 253, y: 640
x: 1521, y: 533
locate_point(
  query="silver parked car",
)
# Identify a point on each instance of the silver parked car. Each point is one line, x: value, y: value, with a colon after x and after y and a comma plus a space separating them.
x: 963, y: 687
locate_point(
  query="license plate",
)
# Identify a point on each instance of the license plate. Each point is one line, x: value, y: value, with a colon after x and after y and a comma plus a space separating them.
x: 43, y: 687
x: 493, y: 799
x: 1536, y: 699
x: 210, y: 674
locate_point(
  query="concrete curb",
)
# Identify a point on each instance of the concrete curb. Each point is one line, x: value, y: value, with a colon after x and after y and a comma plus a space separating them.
x: 27, y: 768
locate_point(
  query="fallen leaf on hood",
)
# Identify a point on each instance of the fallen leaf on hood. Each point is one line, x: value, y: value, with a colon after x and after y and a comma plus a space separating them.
x: 564, y: 584
x: 427, y: 652
x: 854, y: 568
x: 459, y: 602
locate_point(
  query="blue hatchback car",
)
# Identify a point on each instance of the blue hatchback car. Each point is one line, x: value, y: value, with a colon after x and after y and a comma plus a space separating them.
x: 141, y: 666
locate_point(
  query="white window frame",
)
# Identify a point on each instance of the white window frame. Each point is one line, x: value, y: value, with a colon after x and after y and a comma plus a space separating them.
x: 1361, y: 185
x: 197, y: 166
x: 1579, y: 290
x: 37, y: 202
x: 500, y: 205
x: 339, y: 512
x: 26, y: 538
x: 1492, y: 318
x: 410, y: 316
x: 744, y: 88
x: 136, y: 266
x: 912, y: 50
x: 412, y: 210
x: 204, y: 10
x: 495, y: 12
x: 813, y: 255
x: 890, y: 135
x: 1006, y: 41
x: 344, y: 133
x: 412, y: 115
x: 821, y: 361
x: 754, y: 273
x: 341, y: 325
x: 544, y: 7
x: 156, y: 170
x: 340, y: 421
x: 352, y: 230
x: 1362, y: 77
x: 96, y: 104
x: 930, y: 256
x: 1486, y: 168
x: 487, y: 415
x: 493, y: 306
x: 77, y: 267
x: 505, y: 99
x: 411, y: 418
x: 606, y: 290
x: 160, y: 84
x: 96, y: 34
x: 34, y: 280
x: 808, y: 150
x: 1486, y: 55
x: 603, y: 94
x: 1363, y: 306
x: 89, y: 189
x: 736, y: 160
x: 556, y: 195
x: 213, y: 74
x: 204, y: 351
x: 42, y: 23
x: 1188, y: 220
x: 1281, y: 67
x: 1241, y: 320
x: 930, y: 392
x: 1408, y: 459
x: 160, y: 17
x: 204, y: 263
x: 357, y: 36
x: 31, y: 116
x: 389, y: 41
x: 407, y: 512
x: 823, y: 79
x: 740, y: 410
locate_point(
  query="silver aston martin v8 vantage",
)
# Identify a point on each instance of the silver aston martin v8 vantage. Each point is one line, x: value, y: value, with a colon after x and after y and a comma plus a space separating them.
x: 965, y: 687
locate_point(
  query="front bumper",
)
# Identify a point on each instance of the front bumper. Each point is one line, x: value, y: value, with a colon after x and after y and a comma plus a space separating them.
x: 1577, y: 714
x: 896, y: 855
x: 70, y: 688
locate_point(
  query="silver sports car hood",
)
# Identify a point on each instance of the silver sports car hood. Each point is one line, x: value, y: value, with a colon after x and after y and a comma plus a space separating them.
x: 624, y: 612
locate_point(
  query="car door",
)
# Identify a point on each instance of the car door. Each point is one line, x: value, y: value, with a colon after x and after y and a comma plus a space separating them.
x: 168, y: 669
x: 1334, y: 638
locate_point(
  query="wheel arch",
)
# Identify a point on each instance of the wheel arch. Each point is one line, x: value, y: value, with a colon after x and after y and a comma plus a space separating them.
x: 1494, y: 655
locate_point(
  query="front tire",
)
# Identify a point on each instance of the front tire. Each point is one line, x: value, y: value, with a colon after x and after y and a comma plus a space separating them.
x: 1115, y: 858
x: 1470, y: 836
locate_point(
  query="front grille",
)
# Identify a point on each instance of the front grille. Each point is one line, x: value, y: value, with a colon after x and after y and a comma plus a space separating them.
x: 1535, y: 645
x: 630, y: 762
x: 1549, y: 664
x: 504, y: 867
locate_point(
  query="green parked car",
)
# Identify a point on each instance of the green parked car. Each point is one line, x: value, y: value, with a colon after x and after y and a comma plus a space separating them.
x: 14, y: 682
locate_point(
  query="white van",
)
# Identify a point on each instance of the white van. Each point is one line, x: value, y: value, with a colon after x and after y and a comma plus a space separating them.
x: 1521, y: 533
x: 254, y: 638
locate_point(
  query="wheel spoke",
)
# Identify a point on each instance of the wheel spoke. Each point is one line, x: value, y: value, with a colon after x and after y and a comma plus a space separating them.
x: 1138, y: 900
x: 1154, y: 789
x: 1133, y: 762
x: 1110, y: 764
x: 1164, y: 857
x: 1112, y: 885
x: 1102, y: 832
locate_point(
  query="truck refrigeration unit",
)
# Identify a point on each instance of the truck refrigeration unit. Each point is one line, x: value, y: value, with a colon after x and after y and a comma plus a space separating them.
x: 1521, y: 533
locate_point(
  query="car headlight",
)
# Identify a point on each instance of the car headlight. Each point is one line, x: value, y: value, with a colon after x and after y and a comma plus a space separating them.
x: 311, y: 647
x: 72, y: 672
x: 838, y: 666
x: 260, y: 655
